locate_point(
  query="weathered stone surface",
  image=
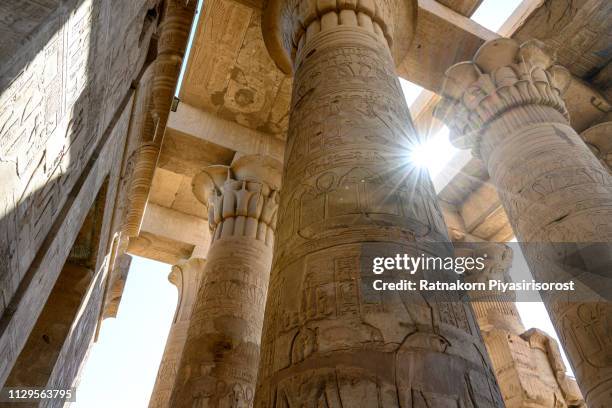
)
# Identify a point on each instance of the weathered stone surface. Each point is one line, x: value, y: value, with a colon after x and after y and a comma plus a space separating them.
x: 347, y: 194
x: 230, y: 73
x: 507, y: 106
x: 599, y: 139
x: 159, y: 248
x: 50, y: 257
x: 527, y: 364
x: 38, y: 357
x: 174, y: 223
x: 224, y: 134
x: 140, y: 123
x: 221, y: 354
x: 50, y: 125
x: 173, y: 35
x: 69, y: 351
x: 115, y: 285
x: 65, y: 105
x: 579, y: 32
x: 174, y: 191
x: 186, y: 277
x: 84, y: 100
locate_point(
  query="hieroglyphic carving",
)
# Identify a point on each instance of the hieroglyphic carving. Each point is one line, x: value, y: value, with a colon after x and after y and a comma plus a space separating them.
x: 348, y: 195
x: 18, y: 19
x: 32, y: 152
x: 186, y: 277
x: 49, y: 122
x: 493, y: 309
x: 579, y: 31
x: 141, y: 123
x: 527, y: 364
x: 116, y: 283
x: 289, y: 24
x: 507, y: 106
x: 219, y: 363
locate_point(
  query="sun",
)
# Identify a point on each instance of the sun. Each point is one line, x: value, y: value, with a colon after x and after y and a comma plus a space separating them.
x: 422, y: 154
x: 433, y: 153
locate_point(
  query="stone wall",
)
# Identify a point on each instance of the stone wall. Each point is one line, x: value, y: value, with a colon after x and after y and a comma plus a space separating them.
x: 65, y: 105
x: 76, y: 346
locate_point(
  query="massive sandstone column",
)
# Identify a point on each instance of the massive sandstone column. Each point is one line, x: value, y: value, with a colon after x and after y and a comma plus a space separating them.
x: 507, y: 106
x: 329, y: 339
x: 219, y: 363
x: 527, y: 364
x: 186, y: 277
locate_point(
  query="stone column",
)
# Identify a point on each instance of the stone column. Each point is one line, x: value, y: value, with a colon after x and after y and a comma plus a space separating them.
x: 186, y: 277
x: 173, y: 35
x: 527, y: 364
x: 116, y: 282
x: 599, y: 139
x: 219, y: 363
x: 507, y: 106
x: 493, y: 309
x: 348, y: 195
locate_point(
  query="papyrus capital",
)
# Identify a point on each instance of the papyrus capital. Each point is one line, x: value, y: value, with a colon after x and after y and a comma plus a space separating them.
x: 503, y: 75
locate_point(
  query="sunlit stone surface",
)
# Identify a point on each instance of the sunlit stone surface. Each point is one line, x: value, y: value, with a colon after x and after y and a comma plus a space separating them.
x: 98, y: 163
x: 507, y: 106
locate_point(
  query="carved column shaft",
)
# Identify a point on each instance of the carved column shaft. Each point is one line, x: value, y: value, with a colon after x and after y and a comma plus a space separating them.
x: 329, y: 339
x: 507, y: 106
x: 528, y: 364
x: 493, y: 309
x: 186, y: 277
x: 219, y: 363
x: 599, y: 139
x: 173, y: 35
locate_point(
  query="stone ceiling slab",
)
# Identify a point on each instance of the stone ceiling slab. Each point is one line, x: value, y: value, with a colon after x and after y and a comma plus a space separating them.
x: 173, y: 190
x: 443, y: 37
x: 230, y: 73
x: 159, y: 248
x: 208, y: 127
x: 463, y: 7
x: 579, y: 31
x: 188, y: 155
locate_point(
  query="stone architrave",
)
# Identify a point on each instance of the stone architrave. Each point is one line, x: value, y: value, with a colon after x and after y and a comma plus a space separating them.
x: 527, y: 363
x: 599, y: 139
x: 219, y: 363
x: 186, y: 277
x: 507, y: 106
x: 329, y: 339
